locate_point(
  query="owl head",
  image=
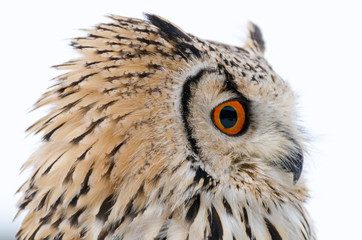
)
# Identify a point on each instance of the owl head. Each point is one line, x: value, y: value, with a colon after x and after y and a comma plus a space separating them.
x: 150, y: 115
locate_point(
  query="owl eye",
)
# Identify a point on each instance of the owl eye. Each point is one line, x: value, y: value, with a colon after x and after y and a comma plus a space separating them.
x: 230, y: 117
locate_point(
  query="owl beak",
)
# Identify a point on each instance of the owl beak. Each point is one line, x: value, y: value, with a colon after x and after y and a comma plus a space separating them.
x: 293, y: 162
x: 296, y: 166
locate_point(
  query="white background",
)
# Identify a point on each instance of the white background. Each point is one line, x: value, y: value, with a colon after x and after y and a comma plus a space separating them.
x: 315, y: 45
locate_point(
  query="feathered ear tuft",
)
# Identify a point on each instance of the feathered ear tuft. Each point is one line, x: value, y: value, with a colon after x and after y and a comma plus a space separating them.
x: 174, y: 35
x: 172, y: 31
x: 255, y: 41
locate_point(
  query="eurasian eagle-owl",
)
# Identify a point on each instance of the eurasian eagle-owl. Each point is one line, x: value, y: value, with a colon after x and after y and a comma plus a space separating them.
x: 157, y: 134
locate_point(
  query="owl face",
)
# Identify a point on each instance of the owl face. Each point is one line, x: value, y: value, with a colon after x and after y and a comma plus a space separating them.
x: 262, y: 112
x: 259, y: 132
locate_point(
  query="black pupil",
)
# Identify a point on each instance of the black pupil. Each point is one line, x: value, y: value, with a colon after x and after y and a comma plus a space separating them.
x: 228, y: 117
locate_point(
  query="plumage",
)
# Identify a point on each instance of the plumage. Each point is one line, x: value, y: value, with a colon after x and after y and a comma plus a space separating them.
x: 131, y: 150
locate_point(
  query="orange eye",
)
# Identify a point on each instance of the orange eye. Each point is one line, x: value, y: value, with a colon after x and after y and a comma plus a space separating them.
x: 229, y: 117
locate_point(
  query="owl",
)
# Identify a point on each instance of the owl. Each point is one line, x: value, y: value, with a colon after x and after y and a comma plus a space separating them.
x: 156, y: 134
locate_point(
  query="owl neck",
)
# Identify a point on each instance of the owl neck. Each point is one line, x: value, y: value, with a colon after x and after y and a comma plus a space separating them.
x: 196, y: 206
